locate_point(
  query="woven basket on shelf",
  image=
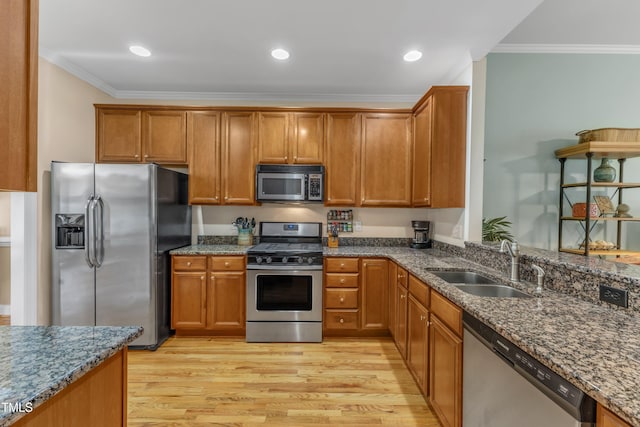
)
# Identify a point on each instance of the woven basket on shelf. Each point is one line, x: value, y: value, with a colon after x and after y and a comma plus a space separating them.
x: 610, y: 135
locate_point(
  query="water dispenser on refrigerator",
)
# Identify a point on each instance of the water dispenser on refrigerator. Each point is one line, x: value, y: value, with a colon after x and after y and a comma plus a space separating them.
x: 69, y: 231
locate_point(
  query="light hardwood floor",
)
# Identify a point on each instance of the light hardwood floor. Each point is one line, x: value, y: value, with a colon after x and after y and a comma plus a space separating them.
x: 225, y: 381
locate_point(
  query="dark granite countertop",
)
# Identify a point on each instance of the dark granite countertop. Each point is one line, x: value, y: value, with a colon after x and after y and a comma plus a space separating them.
x: 220, y: 249
x: 595, y: 347
x: 39, y: 361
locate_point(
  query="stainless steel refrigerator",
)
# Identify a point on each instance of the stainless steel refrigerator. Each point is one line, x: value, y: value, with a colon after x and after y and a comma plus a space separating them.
x: 113, y: 227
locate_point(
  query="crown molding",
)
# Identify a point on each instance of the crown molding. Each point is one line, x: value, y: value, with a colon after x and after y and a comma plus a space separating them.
x: 266, y: 97
x: 73, y: 69
x: 222, y: 96
x: 567, y: 48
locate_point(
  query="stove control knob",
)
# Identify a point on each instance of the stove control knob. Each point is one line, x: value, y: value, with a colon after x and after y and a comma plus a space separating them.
x: 300, y: 260
x: 268, y: 260
x: 284, y: 259
x: 259, y: 260
x: 310, y: 260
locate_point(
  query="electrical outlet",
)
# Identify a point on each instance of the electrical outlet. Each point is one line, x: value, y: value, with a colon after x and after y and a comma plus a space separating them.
x: 614, y: 296
x: 357, y: 225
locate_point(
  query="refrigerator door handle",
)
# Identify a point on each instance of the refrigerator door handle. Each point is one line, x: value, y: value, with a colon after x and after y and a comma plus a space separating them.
x: 99, y: 230
x: 88, y: 232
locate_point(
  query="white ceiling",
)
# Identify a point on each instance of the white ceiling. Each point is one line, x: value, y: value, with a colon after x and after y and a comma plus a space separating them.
x: 341, y: 50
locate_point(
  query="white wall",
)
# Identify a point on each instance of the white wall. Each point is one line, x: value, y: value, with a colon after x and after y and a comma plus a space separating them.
x: 535, y: 105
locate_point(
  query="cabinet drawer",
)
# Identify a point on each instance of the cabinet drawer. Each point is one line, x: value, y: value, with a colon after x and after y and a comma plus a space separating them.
x: 341, y: 298
x: 338, y: 265
x: 402, y: 276
x: 189, y: 263
x: 419, y: 290
x: 226, y: 263
x: 341, y: 319
x: 448, y: 312
x: 333, y: 280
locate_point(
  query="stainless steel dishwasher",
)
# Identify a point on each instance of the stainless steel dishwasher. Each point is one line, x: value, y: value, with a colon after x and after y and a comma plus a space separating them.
x: 505, y: 387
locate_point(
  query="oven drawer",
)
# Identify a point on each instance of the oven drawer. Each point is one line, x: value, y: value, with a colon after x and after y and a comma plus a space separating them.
x: 341, y: 265
x: 341, y: 319
x: 341, y: 298
x: 227, y: 263
x: 189, y: 263
x: 334, y: 280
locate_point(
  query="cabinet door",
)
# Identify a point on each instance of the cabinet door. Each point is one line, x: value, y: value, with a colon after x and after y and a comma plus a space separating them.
x: 118, y: 136
x: 307, y: 137
x: 188, y: 297
x: 342, y: 159
x: 417, y: 338
x: 164, y: 137
x: 448, y: 147
x: 386, y: 160
x: 375, y: 276
x: 445, y: 374
x: 422, y: 155
x: 19, y: 95
x: 238, y: 158
x: 203, y: 138
x: 393, y: 278
x: 606, y: 418
x: 273, y: 137
x: 226, y: 301
x: 401, y: 320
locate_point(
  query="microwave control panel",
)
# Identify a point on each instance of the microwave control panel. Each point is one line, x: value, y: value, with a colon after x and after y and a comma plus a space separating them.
x: 315, y: 186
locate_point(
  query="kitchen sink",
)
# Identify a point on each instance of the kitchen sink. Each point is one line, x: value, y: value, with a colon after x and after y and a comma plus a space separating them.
x: 492, y: 290
x: 467, y: 277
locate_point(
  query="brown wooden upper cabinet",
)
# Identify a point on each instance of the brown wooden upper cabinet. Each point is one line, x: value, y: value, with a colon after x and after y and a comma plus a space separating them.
x: 342, y: 159
x: 439, y: 150
x: 131, y: 135
x: 286, y: 137
x: 19, y: 95
x: 385, y: 169
x: 221, y: 157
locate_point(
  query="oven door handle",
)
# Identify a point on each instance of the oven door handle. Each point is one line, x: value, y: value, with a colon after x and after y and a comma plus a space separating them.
x: 290, y: 268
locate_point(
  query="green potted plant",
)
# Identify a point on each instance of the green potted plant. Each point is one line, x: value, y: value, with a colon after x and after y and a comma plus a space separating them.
x: 496, y: 229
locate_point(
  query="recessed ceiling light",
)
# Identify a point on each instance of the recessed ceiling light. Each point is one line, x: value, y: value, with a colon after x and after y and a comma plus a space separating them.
x: 280, y: 54
x: 412, y: 55
x: 140, y: 51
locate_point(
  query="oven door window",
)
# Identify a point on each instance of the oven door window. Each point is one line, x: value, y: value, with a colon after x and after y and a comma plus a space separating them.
x: 284, y: 293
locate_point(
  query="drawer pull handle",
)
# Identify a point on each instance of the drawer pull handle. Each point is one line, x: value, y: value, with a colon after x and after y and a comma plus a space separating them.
x: 341, y: 299
x: 342, y: 265
x: 226, y: 263
x: 189, y: 264
x: 402, y: 296
x: 342, y: 280
x: 341, y: 320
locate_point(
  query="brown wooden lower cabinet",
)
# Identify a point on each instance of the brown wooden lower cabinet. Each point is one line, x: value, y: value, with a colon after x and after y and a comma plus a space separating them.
x: 97, y: 399
x: 445, y: 373
x: 606, y: 418
x: 417, y: 342
x: 355, y: 296
x: 208, y: 295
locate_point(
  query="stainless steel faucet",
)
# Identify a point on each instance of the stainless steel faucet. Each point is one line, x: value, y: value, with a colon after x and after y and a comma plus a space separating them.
x: 540, y: 275
x: 514, y: 251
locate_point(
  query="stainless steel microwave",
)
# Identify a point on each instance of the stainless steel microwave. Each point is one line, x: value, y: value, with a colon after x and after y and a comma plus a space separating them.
x: 290, y: 183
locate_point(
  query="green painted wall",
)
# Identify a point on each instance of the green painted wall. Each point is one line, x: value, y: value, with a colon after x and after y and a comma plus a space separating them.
x: 535, y: 103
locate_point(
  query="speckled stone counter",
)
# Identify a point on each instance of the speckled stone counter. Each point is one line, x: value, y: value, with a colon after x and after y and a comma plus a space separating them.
x: 595, y: 346
x: 39, y: 361
x: 215, y: 249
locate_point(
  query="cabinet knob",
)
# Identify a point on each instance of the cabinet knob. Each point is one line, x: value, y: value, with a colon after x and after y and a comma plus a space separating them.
x: 342, y: 265
x: 213, y: 277
x: 188, y: 263
x: 329, y: 198
x: 341, y: 299
x: 421, y: 317
x: 146, y: 156
x: 341, y: 320
x: 295, y: 158
x: 286, y: 158
x: 136, y: 156
x: 226, y: 263
x: 201, y: 277
x: 402, y: 296
x: 215, y: 198
x: 342, y: 280
x: 226, y: 197
x: 425, y: 199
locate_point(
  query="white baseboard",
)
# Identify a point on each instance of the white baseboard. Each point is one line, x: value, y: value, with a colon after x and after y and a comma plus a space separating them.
x: 5, y: 310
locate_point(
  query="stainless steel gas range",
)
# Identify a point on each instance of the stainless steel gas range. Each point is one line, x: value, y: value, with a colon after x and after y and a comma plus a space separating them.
x: 284, y: 283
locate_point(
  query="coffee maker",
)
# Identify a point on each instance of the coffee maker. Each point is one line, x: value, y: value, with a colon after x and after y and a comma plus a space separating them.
x: 421, y: 238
